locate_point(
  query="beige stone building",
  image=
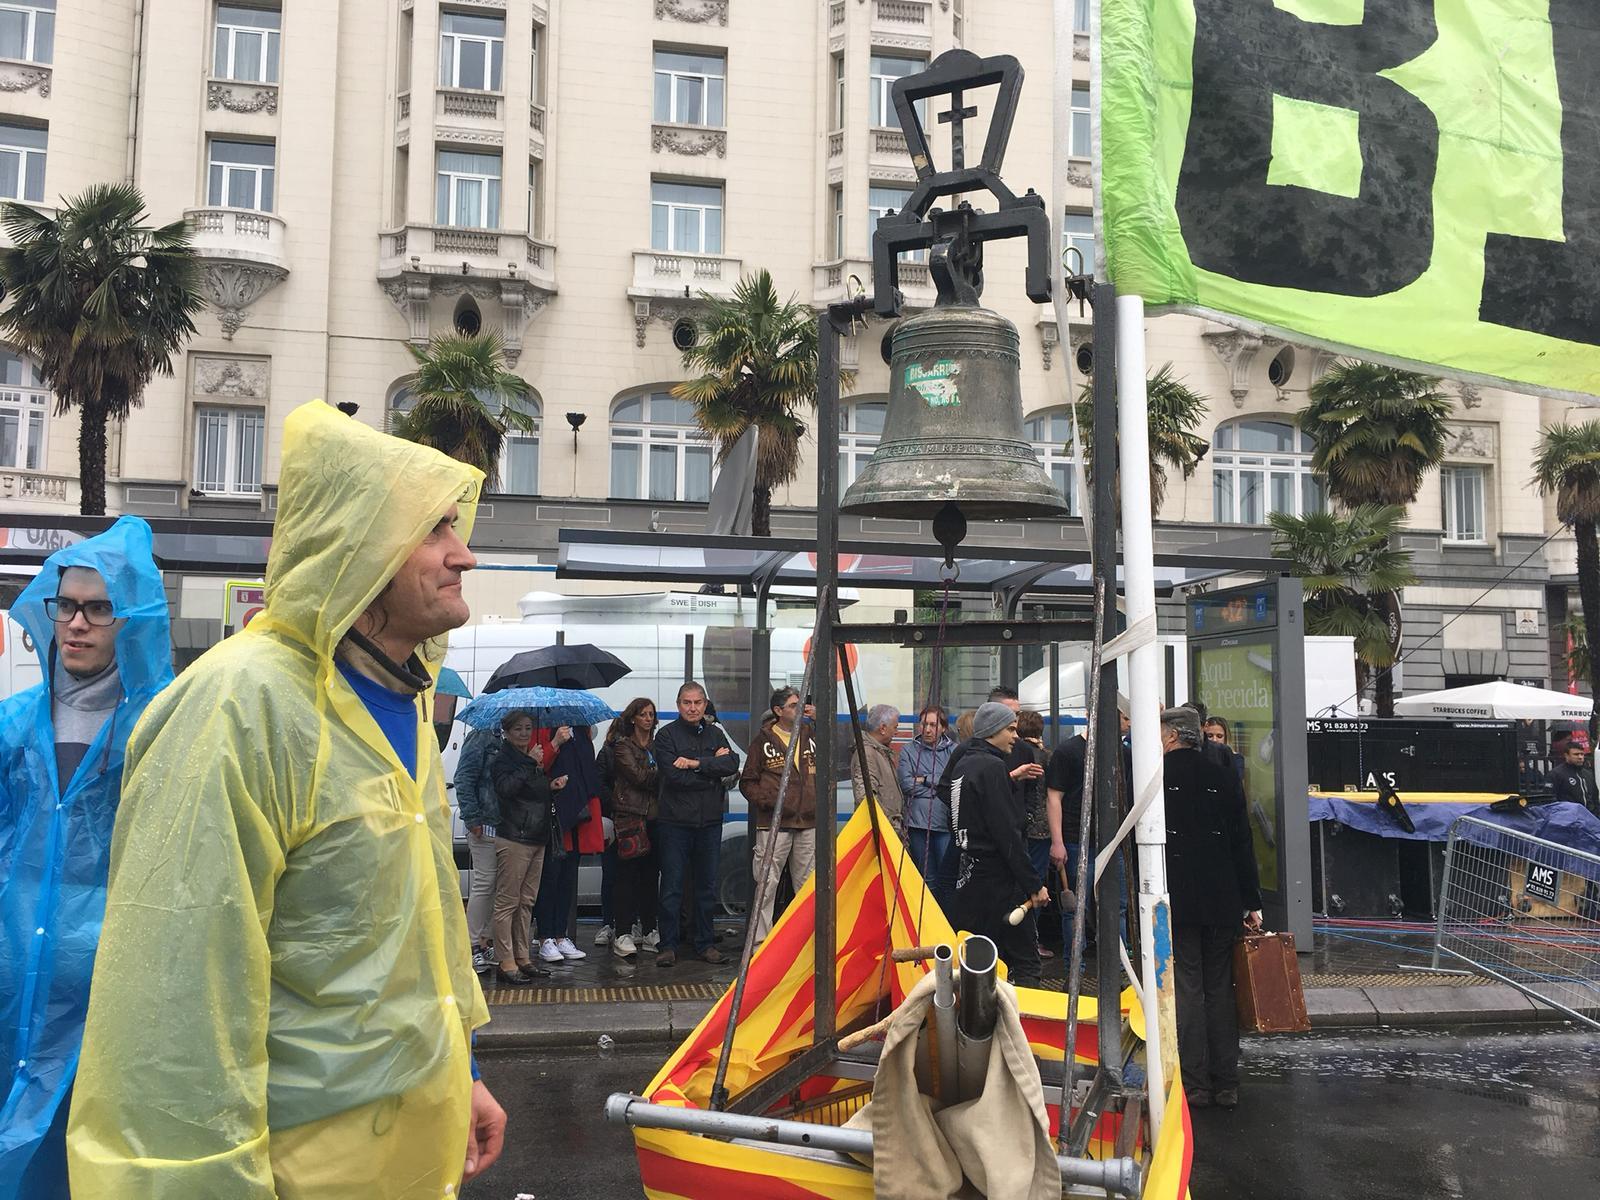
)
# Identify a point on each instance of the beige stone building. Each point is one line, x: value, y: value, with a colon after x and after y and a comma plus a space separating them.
x: 362, y: 174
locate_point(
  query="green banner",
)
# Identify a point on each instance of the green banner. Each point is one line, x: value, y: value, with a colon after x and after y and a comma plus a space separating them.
x: 1416, y: 181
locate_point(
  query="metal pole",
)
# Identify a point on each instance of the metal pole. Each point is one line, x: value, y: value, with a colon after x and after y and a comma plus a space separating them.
x: 1053, y: 662
x: 1120, y: 1176
x: 1108, y: 761
x: 826, y: 696
x: 1144, y: 693
x: 688, y: 657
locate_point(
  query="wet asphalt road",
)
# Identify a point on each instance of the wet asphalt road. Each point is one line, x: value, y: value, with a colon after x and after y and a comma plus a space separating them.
x: 1386, y: 1115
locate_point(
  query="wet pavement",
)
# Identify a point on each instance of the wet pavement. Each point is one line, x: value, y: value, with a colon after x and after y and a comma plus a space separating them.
x: 1386, y: 1115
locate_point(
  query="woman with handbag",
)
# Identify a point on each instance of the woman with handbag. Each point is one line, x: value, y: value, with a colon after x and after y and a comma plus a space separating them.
x: 633, y: 810
x: 527, y: 814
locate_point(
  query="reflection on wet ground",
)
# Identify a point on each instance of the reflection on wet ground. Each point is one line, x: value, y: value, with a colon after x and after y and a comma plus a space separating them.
x: 1386, y: 1115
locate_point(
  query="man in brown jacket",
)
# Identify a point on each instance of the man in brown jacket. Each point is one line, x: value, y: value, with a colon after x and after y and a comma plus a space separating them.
x: 882, y: 723
x: 796, y: 824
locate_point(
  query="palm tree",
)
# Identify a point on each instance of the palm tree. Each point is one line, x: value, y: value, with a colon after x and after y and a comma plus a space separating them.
x: 1566, y: 462
x: 1176, y: 411
x: 466, y: 401
x: 101, y: 301
x: 757, y: 361
x: 1377, y: 431
x: 1350, y: 571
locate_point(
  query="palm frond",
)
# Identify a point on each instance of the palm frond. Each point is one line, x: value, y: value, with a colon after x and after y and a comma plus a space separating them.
x: 1376, y: 431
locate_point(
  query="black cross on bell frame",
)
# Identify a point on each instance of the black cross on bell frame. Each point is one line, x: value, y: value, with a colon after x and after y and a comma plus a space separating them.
x: 956, y: 237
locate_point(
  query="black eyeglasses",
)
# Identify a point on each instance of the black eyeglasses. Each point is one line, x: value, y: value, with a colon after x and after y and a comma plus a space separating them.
x: 63, y: 610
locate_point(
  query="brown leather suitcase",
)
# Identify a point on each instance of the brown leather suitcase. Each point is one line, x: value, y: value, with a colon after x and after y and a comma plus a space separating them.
x: 1266, y: 978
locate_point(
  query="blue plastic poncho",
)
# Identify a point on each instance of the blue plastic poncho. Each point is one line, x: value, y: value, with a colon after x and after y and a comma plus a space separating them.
x: 54, y: 854
x: 285, y: 998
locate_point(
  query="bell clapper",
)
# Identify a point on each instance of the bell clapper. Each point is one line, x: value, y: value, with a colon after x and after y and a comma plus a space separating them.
x: 950, y: 530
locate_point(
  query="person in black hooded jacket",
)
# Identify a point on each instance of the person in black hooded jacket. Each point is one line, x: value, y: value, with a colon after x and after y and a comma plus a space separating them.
x: 995, y: 873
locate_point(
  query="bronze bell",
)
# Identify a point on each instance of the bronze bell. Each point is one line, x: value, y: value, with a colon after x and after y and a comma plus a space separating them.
x: 953, y: 430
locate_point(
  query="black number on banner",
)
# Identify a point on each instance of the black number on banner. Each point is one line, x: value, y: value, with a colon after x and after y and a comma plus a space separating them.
x: 1235, y: 222
x: 1543, y: 286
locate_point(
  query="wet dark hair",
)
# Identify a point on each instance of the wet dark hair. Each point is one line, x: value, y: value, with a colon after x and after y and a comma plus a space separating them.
x: 781, y: 697
x: 1030, y: 724
x: 1002, y: 693
x: 944, y: 718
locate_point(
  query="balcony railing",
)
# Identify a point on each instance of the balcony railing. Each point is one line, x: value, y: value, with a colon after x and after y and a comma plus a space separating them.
x: 915, y: 13
x: 240, y: 234
x: 402, y: 106
x: 536, y: 117
x: 442, y: 249
x: 831, y: 281
x: 836, y: 143
x: 662, y: 273
x: 455, y: 102
x: 835, y: 14
x: 890, y: 143
x: 35, y: 487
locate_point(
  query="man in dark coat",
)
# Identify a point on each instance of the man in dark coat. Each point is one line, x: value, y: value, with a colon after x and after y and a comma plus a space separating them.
x: 1574, y: 782
x: 693, y: 759
x: 995, y: 875
x: 1212, y: 881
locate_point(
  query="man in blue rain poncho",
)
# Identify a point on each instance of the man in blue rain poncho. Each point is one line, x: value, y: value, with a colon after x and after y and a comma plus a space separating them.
x: 97, y: 615
x: 285, y: 1000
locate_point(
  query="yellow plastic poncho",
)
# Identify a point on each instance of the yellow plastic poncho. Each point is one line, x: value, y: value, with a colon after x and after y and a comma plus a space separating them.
x: 284, y: 997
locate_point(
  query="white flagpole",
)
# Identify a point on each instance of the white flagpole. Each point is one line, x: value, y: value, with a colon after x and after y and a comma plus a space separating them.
x: 1144, y: 697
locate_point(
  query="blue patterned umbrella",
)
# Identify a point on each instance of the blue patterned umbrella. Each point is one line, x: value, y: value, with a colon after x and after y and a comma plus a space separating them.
x: 550, y: 707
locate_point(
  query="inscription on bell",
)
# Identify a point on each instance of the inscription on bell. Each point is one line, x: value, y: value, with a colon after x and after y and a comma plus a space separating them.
x: 936, y: 384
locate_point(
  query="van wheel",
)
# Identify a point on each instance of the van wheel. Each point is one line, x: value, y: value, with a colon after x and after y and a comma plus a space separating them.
x: 734, y: 886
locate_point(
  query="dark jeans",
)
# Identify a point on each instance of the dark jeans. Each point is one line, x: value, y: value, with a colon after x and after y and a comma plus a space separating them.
x: 1208, y: 1022
x: 934, y: 855
x: 679, y: 845
x: 980, y: 910
x: 608, y: 882
x: 635, y: 881
x: 558, y: 893
x: 1112, y: 880
x: 1039, y: 858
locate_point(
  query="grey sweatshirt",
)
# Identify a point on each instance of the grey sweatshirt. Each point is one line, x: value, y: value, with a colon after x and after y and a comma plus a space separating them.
x: 78, y: 709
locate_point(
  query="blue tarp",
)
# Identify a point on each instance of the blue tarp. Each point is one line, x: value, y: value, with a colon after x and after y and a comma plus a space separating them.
x: 1560, y: 822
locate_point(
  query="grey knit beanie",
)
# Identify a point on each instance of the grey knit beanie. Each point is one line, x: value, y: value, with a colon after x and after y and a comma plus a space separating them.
x: 991, y: 719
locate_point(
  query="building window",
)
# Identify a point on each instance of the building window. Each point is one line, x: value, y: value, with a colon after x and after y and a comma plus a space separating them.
x: 536, y: 67
x: 860, y: 427
x: 535, y: 200
x: 28, y: 30
x: 22, y: 152
x: 1050, y: 432
x: 836, y: 234
x: 519, y: 455
x: 1260, y: 467
x: 467, y: 192
x: 471, y: 51
x: 658, y: 451
x: 1080, y: 121
x: 881, y: 201
x: 242, y: 175
x: 885, y: 70
x: 1077, y: 230
x: 246, y: 44
x: 689, y: 88
x: 24, y: 405
x: 836, y: 116
x: 1464, y: 491
x: 686, y: 217
x: 1080, y: 16
x: 229, y: 445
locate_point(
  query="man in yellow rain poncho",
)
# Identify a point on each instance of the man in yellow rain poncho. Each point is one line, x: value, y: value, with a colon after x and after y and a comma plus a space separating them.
x: 284, y: 999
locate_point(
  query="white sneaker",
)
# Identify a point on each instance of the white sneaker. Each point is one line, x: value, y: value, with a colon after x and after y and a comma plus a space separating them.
x: 651, y: 942
x: 566, y: 949
x: 623, y: 947
x: 603, y: 938
x: 549, y: 952
x: 637, y: 931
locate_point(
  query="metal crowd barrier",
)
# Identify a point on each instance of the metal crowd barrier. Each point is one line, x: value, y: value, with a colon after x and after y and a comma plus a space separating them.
x: 1524, y: 911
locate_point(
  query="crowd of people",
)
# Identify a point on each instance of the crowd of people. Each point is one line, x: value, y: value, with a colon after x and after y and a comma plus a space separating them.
x: 236, y: 962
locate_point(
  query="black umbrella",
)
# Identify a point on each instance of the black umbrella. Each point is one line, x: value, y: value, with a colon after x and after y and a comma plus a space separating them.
x: 581, y: 666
